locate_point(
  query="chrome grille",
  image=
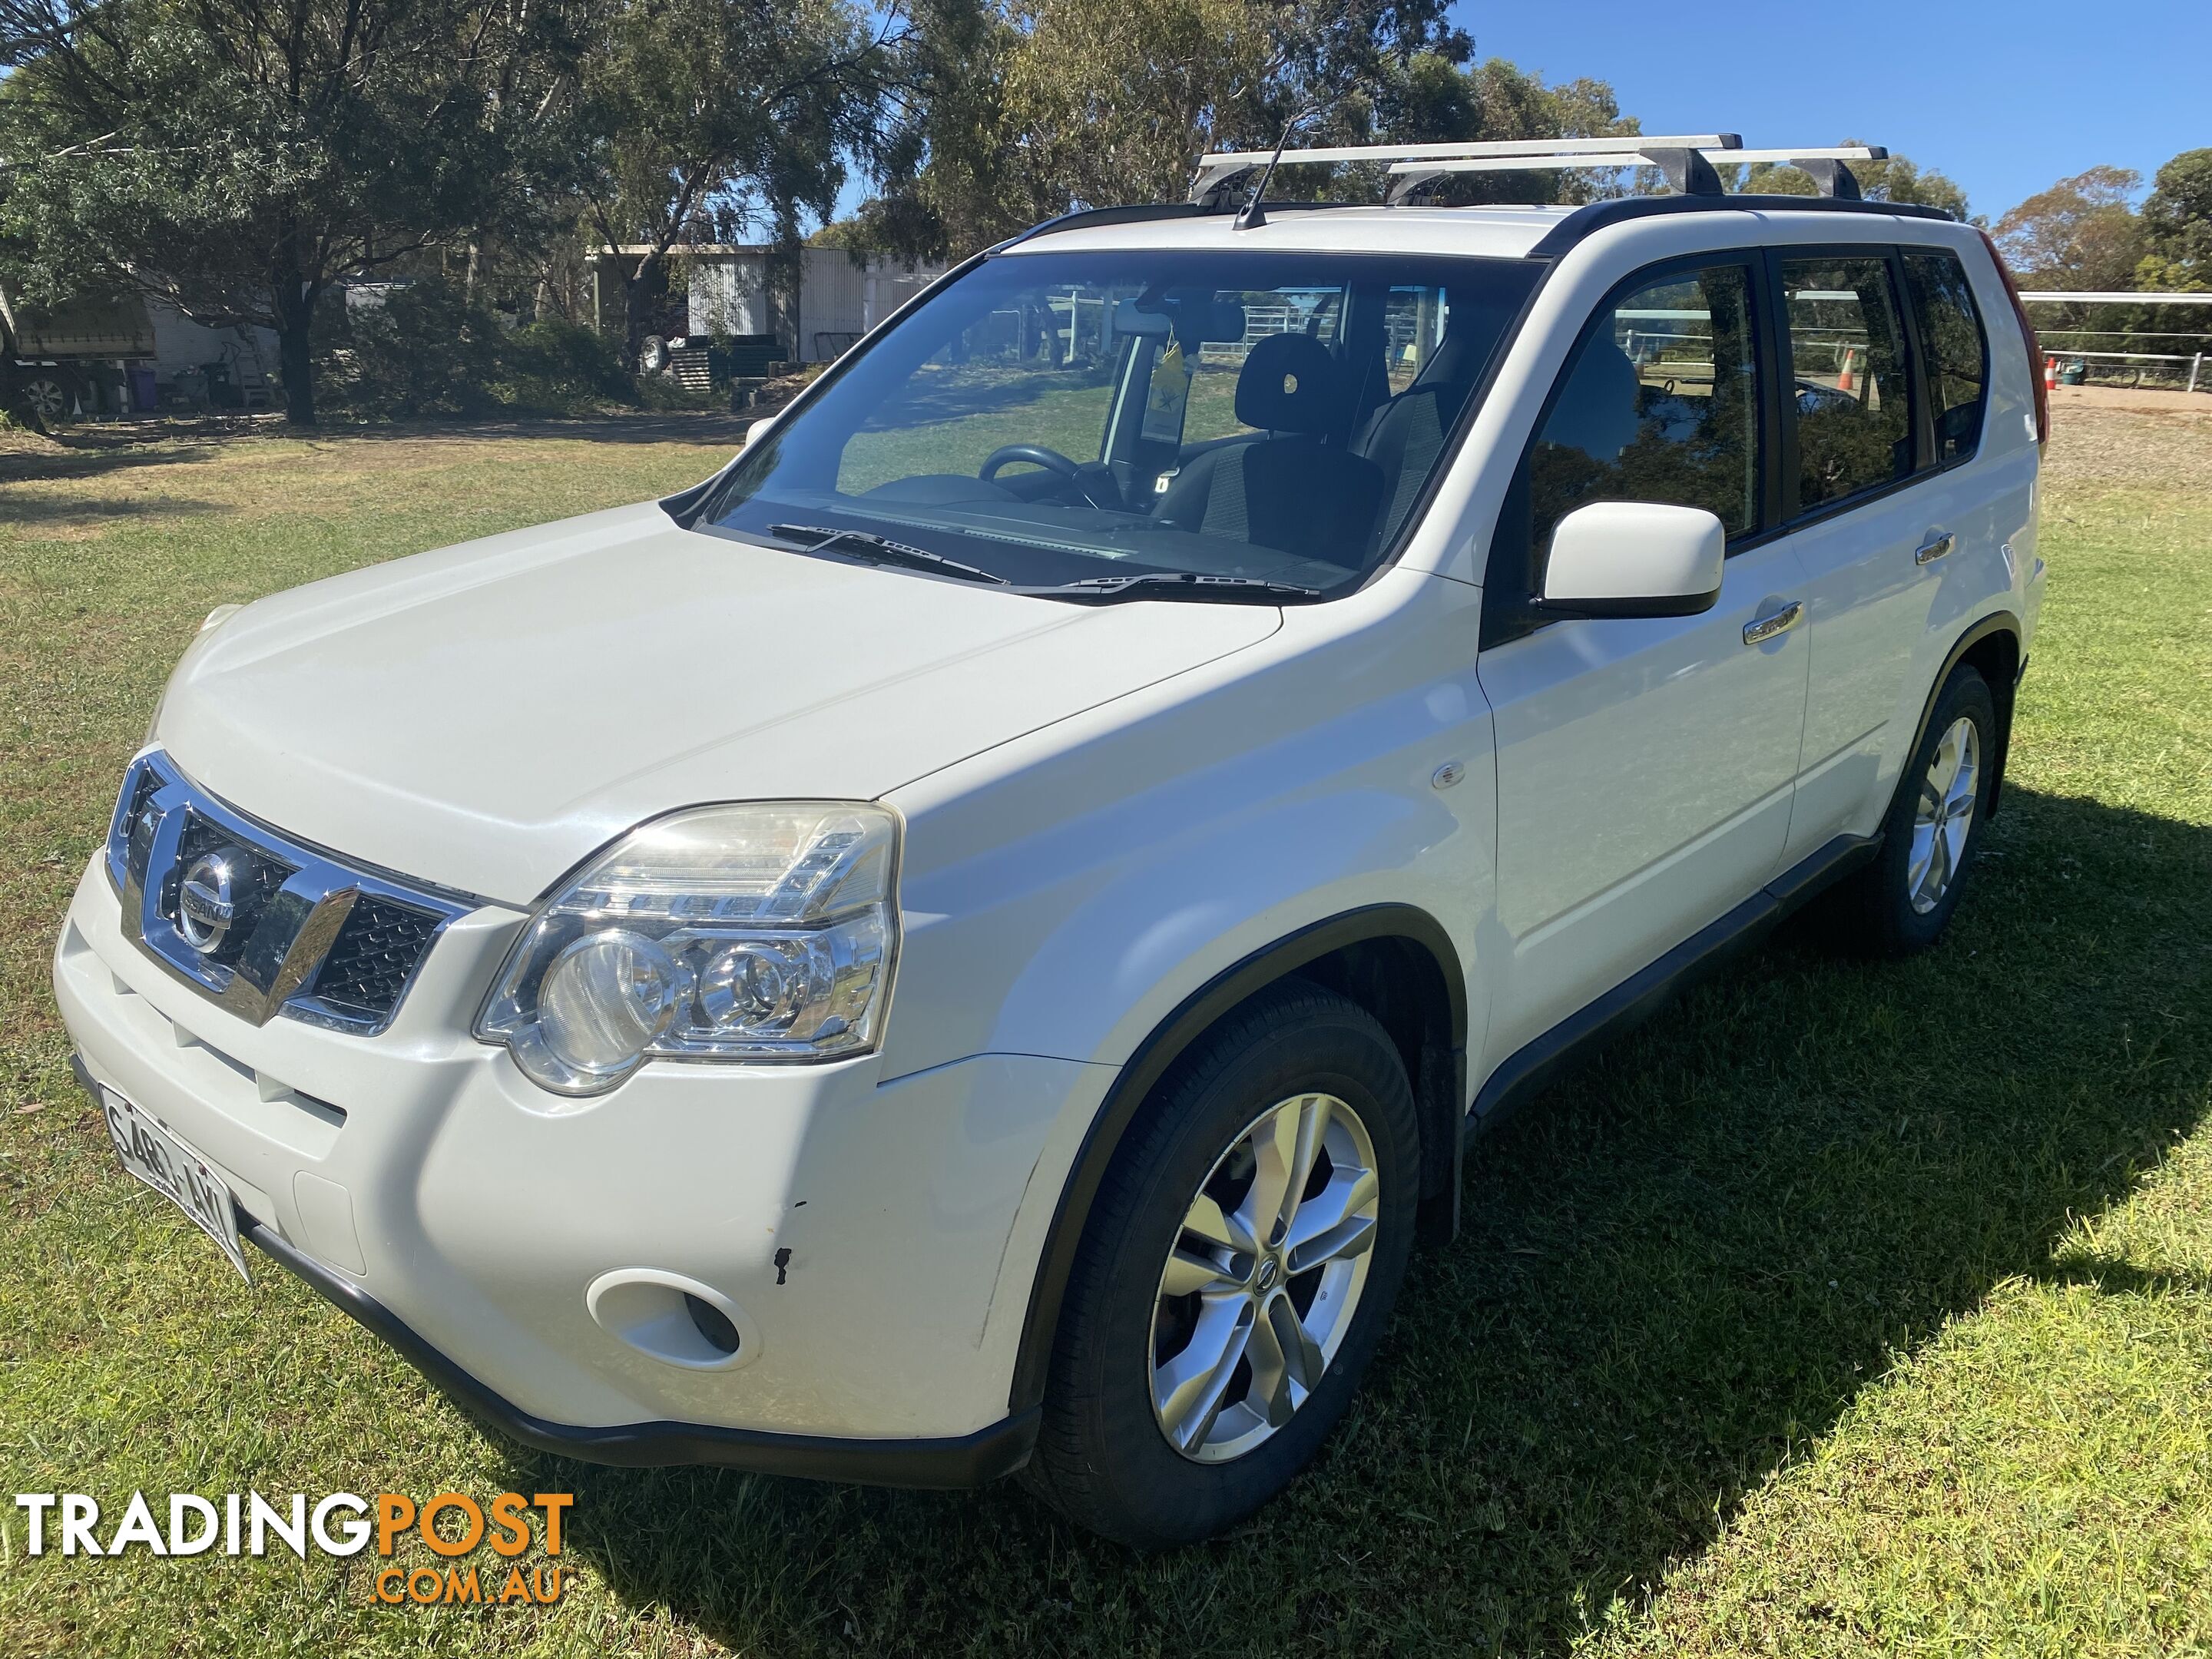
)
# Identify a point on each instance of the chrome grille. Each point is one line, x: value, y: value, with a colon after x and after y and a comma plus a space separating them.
x: 301, y: 933
x: 266, y: 878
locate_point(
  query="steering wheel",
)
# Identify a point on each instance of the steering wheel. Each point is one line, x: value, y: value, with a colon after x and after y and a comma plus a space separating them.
x: 1051, y: 460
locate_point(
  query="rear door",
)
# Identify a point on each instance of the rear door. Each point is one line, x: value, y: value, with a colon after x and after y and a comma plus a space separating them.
x: 1888, y: 364
x: 1644, y: 766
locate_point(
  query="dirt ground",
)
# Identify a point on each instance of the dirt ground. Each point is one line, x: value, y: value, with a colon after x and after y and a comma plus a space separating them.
x: 2147, y: 401
x: 2123, y: 443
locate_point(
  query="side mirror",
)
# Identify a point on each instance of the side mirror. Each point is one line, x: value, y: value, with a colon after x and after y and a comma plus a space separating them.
x: 1634, y: 559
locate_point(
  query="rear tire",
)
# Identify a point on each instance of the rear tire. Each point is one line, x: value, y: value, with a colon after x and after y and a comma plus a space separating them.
x: 1250, y: 1368
x: 1901, y: 902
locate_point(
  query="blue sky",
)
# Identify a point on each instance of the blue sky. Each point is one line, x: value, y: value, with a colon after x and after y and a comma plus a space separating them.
x: 2005, y: 98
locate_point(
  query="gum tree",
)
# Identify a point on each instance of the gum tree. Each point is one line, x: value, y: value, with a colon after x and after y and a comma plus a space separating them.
x: 240, y: 158
x: 1021, y: 109
x: 711, y: 113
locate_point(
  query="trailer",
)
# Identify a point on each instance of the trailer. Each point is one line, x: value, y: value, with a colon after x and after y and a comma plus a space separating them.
x: 100, y: 358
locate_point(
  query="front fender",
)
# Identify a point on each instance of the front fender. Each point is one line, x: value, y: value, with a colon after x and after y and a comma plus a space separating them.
x: 1068, y: 891
x: 1087, y: 892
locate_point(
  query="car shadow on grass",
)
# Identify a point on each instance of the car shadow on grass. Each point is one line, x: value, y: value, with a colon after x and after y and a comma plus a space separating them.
x: 93, y: 459
x: 1677, y: 1270
x: 21, y: 514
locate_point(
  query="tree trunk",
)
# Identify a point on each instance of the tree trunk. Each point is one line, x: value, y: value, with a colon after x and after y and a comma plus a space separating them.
x: 295, y: 360
x: 644, y: 291
x: 785, y: 321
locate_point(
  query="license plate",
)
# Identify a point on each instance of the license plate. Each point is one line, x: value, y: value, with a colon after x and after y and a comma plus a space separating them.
x: 152, y: 1152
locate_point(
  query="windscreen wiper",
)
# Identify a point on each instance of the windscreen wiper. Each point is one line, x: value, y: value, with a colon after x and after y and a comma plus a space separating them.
x: 882, y: 549
x: 1171, y: 584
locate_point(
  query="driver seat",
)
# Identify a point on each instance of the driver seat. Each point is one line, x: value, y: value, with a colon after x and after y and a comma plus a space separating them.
x: 1298, y: 490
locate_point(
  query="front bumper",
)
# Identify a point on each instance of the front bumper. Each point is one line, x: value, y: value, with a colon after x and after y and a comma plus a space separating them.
x: 969, y: 1459
x: 863, y: 1227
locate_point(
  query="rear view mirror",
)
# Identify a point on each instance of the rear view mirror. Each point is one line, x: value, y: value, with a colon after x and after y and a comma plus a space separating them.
x: 1197, y: 318
x: 1634, y: 559
x: 1127, y: 319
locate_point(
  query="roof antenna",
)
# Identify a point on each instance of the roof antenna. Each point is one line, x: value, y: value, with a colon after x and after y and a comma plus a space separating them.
x: 1252, y: 216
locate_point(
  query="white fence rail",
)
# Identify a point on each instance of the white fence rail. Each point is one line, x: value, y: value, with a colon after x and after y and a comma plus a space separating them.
x: 2055, y: 348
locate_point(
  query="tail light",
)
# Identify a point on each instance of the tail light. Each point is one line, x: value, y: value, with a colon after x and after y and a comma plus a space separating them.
x: 2034, y: 345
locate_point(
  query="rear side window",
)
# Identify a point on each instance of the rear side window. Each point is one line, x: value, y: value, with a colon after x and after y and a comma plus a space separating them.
x: 1851, y: 398
x: 1660, y: 403
x: 1955, y: 351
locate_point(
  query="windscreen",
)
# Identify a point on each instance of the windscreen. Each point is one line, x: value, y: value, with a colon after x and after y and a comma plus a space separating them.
x: 1054, y: 418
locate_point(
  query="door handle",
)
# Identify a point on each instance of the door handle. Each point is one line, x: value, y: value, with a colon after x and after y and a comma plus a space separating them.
x: 1934, y: 548
x: 1774, y: 626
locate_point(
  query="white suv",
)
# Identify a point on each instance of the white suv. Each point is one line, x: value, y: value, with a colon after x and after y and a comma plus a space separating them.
x: 975, y: 940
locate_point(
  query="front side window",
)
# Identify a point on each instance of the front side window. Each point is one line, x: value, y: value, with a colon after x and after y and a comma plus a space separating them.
x: 1954, y: 353
x: 1660, y: 403
x: 1057, y: 417
x: 1850, y: 404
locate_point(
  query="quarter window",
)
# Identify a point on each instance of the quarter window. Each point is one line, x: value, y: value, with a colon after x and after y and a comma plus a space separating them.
x: 1415, y: 320
x: 1660, y: 403
x: 1850, y: 399
x: 1955, y: 354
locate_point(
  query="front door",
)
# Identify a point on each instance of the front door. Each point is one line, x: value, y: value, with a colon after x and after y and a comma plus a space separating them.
x: 1646, y: 767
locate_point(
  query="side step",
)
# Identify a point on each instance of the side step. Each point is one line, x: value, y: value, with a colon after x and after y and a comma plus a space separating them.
x: 1522, y: 1075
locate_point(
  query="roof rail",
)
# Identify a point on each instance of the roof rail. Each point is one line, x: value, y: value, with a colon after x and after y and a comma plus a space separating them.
x: 1096, y: 218
x: 1221, y: 169
x: 1112, y: 215
x: 1689, y: 168
x: 1588, y: 220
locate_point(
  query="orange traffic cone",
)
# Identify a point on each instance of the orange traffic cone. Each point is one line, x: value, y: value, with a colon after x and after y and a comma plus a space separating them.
x: 1845, y: 380
x: 2051, y: 374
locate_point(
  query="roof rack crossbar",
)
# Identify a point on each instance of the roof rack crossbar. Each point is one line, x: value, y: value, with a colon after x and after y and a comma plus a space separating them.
x: 1689, y: 170
x: 1460, y: 147
x: 1218, y: 170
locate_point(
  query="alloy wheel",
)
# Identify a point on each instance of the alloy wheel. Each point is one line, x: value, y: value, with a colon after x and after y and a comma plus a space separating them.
x: 1944, y: 816
x: 1265, y: 1275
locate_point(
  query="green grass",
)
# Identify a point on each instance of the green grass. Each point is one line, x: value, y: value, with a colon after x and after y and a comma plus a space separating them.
x: 1843, y: 1310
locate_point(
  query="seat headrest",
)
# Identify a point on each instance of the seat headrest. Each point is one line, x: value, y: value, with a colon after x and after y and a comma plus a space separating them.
x: 1596, y: 411
x: 1289, y: 383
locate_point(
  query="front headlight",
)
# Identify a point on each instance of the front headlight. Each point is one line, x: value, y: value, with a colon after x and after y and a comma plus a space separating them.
x: 761, y: 932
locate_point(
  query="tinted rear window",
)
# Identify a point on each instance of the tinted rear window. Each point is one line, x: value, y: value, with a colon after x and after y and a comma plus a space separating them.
x: 1954, y: 351
x: 1851, y: 397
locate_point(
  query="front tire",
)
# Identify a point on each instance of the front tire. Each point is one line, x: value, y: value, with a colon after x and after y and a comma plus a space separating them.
x: 1235, y: 1273
x: 1900, y: 903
